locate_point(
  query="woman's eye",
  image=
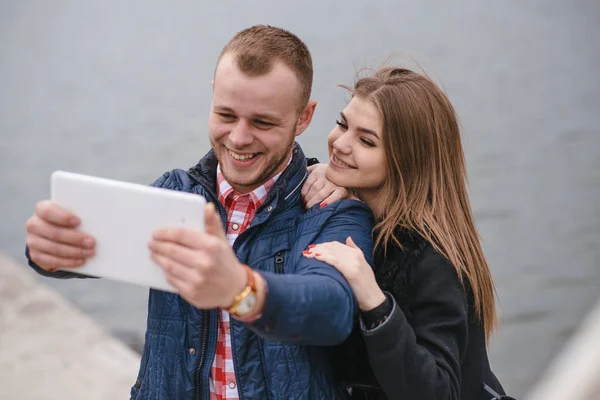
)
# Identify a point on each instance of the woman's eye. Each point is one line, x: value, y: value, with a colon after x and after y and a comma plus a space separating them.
x: 342, y: 125
x: 367, y: 142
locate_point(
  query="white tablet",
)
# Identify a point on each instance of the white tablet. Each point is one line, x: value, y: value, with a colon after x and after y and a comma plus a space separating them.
x: 121, y: 217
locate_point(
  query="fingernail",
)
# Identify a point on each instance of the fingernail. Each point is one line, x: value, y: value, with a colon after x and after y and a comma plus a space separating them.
x: 310, y: 246
x: 52, y: 270
x: 323, y: 204
x: 73, y: 221
x: 87, y: 242
x: 88, y: 253
x: 306, y: 252
x: 317, y: 254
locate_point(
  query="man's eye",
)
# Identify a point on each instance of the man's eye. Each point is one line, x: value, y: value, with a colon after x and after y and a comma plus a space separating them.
x: 263, y: 123
x: 226, y: 116
x: 342, y: 125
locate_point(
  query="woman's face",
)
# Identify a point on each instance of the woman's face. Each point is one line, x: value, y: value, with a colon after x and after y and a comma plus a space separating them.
x: 356, y: 154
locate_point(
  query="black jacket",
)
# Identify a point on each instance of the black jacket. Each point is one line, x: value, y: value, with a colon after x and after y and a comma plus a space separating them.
x: 432, y: 346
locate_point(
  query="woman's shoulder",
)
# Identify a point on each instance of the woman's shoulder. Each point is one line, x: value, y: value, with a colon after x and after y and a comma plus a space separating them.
x: 414, y: 262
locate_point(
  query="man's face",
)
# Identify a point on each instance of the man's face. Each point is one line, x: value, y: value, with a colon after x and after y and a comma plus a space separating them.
x: 253, y: 122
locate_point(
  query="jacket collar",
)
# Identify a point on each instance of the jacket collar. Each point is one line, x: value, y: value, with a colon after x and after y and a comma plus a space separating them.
x: 285, y: 193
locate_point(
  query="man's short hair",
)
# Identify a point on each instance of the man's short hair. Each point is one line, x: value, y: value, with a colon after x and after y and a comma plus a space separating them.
x: 255, y: 50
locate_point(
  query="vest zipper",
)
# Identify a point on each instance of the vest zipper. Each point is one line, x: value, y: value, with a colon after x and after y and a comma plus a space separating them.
x: 206, y: 313
x: 205, y: 327
x: 279, y: 263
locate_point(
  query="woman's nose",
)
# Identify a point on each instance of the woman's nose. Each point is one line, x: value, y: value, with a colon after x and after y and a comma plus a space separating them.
x: 342, y: 145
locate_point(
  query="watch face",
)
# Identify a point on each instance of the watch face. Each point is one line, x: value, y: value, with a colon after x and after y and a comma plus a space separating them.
x: 246, y: 305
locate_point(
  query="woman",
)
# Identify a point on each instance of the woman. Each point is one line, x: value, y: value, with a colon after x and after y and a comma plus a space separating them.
x: 428, y: 309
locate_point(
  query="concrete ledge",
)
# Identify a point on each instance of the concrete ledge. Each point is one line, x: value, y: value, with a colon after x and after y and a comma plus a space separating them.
x: 51, y: 350
x: 575, y: 372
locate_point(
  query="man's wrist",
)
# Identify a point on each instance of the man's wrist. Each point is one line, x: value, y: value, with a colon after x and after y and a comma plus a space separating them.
x: 238, y: 285
x: 261, y: 296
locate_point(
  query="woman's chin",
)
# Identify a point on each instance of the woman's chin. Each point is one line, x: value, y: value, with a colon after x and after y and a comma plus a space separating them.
x: 337, y: 177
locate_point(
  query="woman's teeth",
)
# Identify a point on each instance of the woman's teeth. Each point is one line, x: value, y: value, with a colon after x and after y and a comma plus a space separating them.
x: 337, y: 160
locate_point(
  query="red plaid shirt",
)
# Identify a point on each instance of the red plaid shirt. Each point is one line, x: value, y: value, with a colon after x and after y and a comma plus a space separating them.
x: 241, y: 208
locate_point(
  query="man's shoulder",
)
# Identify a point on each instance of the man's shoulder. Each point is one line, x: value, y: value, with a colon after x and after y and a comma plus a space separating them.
x: 347, y: 214
x: 349, y: 207
x: 177, y: 179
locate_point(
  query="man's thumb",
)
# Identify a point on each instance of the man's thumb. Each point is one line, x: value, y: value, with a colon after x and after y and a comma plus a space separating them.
x: 350, y: 242
x: 212, y: 222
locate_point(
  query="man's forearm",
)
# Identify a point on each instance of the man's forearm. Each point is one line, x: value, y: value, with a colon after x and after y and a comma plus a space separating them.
x: 309, y: 310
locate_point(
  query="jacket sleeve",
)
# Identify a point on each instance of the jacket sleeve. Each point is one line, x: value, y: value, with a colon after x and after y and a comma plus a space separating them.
x: 421, y: 359
x: 315, y: 305
x: 68, y: 274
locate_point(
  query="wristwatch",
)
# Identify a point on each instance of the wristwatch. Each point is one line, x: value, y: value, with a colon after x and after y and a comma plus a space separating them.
x: 244, y: 303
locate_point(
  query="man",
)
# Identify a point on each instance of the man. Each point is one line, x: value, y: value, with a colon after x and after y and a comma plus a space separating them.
x: 284, y: 307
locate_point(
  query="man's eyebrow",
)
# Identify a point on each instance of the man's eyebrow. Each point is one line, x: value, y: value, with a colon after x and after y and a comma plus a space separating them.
x: 269, y: 117
x: 360, y: 129
x: 223, y: 109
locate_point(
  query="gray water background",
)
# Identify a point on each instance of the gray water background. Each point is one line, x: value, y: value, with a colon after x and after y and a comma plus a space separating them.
x: 122, y: 90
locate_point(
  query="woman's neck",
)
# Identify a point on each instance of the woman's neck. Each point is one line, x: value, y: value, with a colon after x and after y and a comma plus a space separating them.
x: 371, y: 198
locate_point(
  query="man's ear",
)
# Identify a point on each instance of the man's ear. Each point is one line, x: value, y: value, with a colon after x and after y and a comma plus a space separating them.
x: 212, y: 84
x: 305, y: 117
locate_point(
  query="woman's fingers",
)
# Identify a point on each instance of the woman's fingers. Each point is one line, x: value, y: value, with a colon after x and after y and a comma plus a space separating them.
x: 338, y: 193
x: 350, y: 242
x: 312, y: 178
x: 320, y: 197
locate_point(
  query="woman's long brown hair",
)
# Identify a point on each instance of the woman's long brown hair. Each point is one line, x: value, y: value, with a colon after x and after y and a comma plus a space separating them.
x: 426, y: 189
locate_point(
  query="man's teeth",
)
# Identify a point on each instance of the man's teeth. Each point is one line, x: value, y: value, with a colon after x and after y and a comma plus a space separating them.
x: 241, y: 157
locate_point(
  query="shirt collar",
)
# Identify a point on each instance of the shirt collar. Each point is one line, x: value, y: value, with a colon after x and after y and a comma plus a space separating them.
x: 226, y: 191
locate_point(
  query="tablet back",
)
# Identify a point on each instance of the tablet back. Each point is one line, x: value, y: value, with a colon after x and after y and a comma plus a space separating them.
x: 121, y: 217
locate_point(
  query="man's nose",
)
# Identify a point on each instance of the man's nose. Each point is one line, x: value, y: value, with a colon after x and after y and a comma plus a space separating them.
x: 241, y: 134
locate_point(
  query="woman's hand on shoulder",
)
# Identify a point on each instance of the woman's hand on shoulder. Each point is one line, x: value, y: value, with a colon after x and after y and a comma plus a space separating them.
x: 318, y: 189
x: 350, y: 261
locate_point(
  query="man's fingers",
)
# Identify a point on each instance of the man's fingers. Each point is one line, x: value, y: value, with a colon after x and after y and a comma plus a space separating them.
x: 51, y: 263
x: 176, y: 271
x: 54, y: 233
x: 52, y: 213
x: 213, y: 223
x: 180, y: 254
x: 183, y: 236
x: 42, y: 245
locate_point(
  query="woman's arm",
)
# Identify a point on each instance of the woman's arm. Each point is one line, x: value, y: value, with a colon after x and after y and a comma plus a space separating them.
x: 421, y: 358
